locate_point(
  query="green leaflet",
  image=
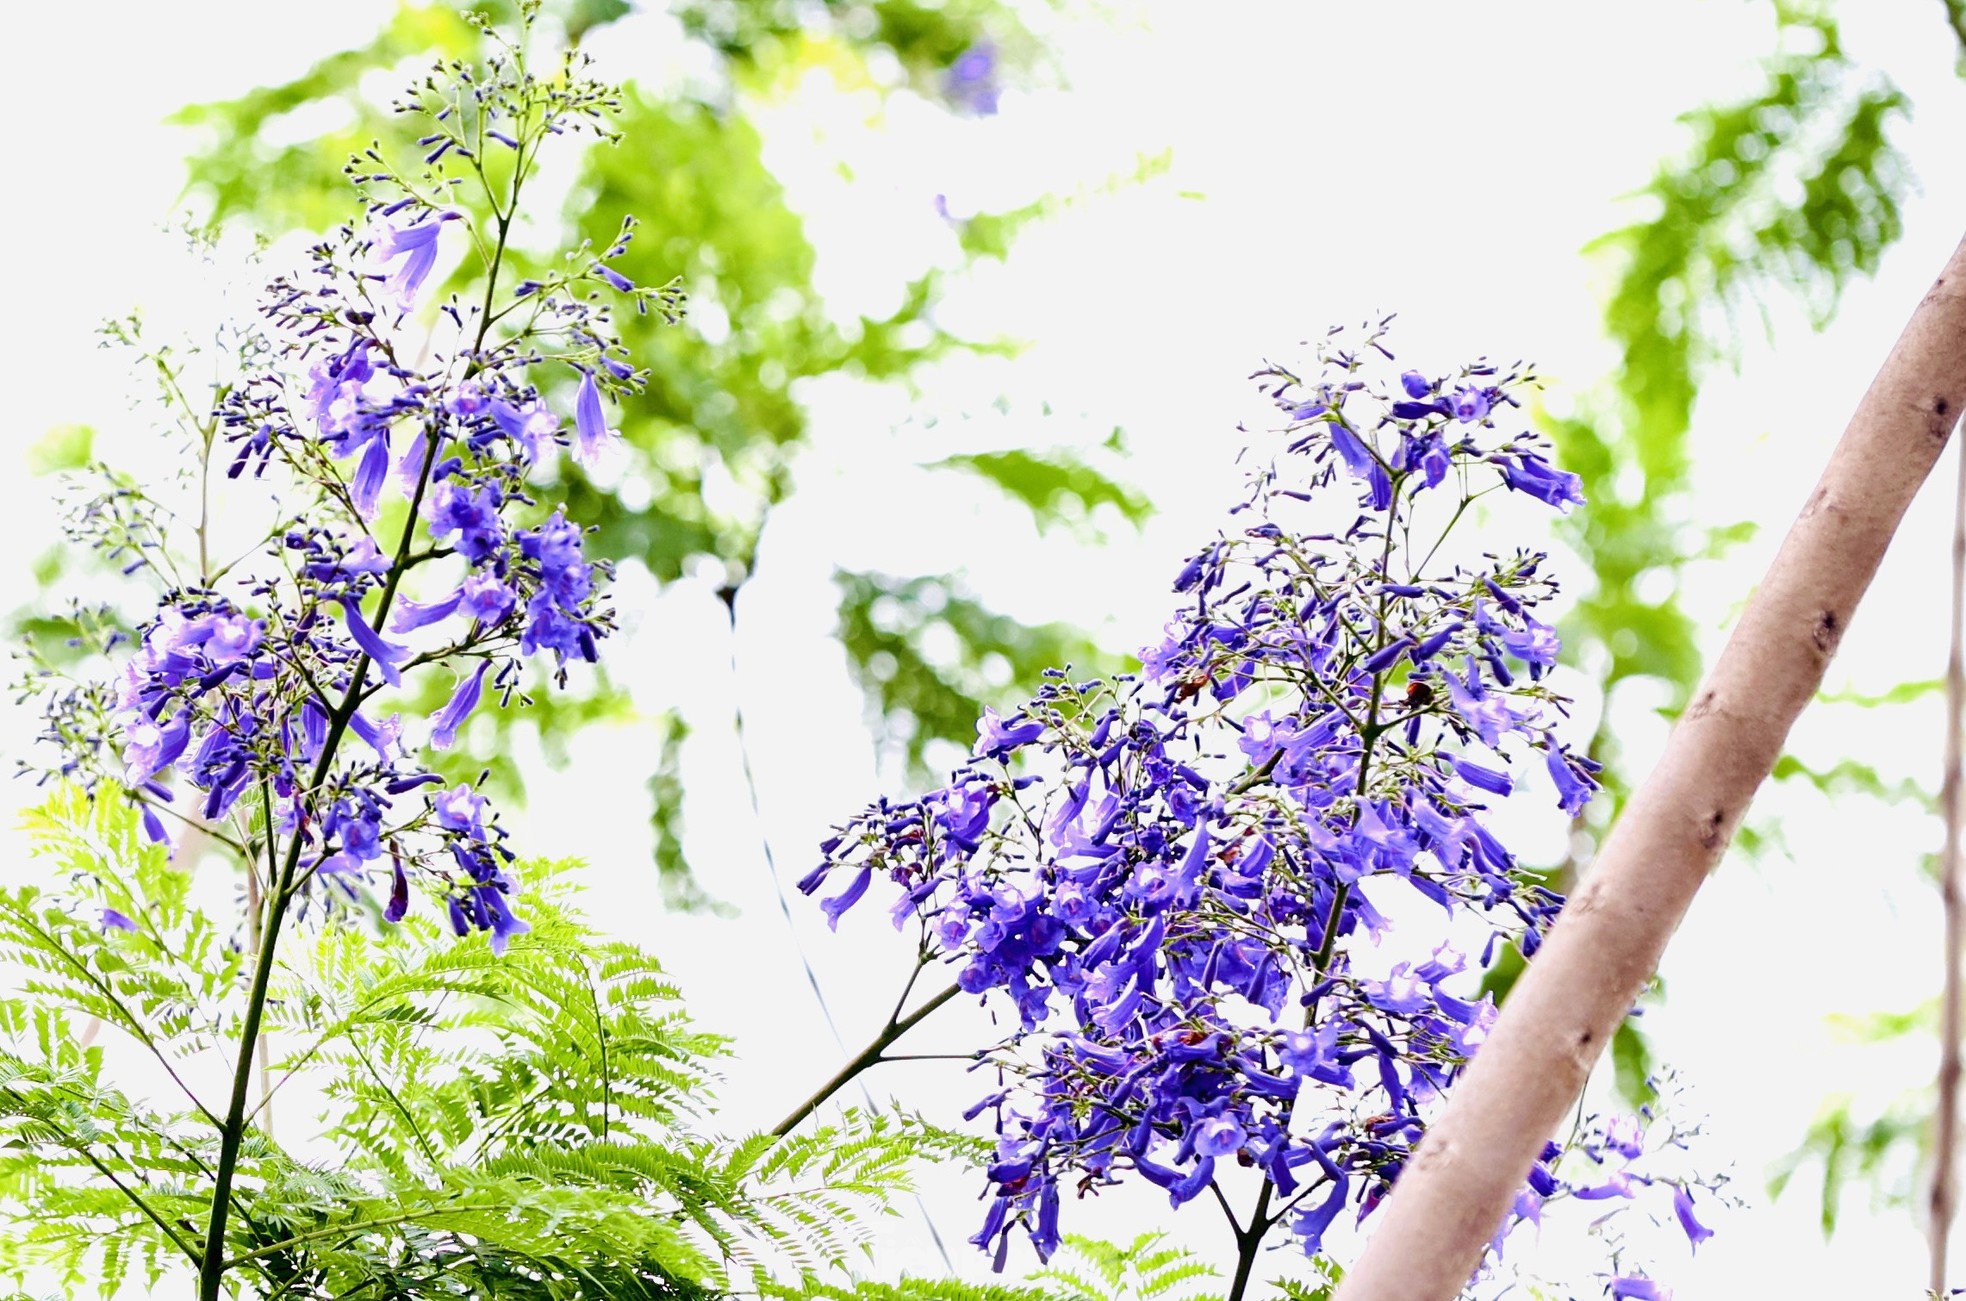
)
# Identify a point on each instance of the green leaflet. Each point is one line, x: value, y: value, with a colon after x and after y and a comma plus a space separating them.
x: 534, y: 1124
x: 1085, y: 1269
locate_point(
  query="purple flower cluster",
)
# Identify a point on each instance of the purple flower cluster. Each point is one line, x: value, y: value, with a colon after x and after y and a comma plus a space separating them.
x: 249, y: 679
x: 1180, y: 879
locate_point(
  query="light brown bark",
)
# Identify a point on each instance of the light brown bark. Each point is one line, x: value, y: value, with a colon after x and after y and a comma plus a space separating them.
x: 1463, y: 1178
x: 1945, y: 1121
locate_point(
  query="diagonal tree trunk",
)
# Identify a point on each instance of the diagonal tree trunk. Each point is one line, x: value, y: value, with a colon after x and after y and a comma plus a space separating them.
x: 1607, y: 943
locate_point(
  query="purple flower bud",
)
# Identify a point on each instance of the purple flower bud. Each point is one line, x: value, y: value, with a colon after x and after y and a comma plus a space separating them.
x: 112, y: 920
x: 461, y: 809
x: 1431, y: 647
x: 385, y: 738
x: 1357, y: 456
x: 153, y: 827
x: 1386, y: 656
x: 503, y: 923
x: 997, y: 736
x: 149, y: 748
x: 1416, y: 384
x: 484, y: 598
x: 1310, y: 1226
x: 399, y: 894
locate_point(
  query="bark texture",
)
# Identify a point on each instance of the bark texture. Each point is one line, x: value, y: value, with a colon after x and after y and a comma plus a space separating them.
x: 1465, y: 1174
x: 1945, y: 1123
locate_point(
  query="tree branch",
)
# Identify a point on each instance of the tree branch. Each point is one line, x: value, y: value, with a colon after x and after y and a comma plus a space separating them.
x: 1945, y: 1136
x: 1607, y: 943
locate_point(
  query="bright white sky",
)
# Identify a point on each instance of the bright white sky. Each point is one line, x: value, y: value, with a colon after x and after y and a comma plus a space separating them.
x: 1443, y: 160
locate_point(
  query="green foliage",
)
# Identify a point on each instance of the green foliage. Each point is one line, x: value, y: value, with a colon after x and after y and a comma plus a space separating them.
x: 1085, y: 1269
x: 712, y: 441
x: 1142, y: 1270
x: 62, y: 449
x: 1855, y: 1149
x: 680, y: 889
x: 887, y: 626
x: 1793, y: 190
x: 163, y: 985
x: 1056, y: 486
x: 1726, y: 230
x: 1856, y: 1142
x: 906, y: 1289
x: 1904, y: 693
x: 1320, y: 1290
x: 528, y: 1125
x: 248, y: 163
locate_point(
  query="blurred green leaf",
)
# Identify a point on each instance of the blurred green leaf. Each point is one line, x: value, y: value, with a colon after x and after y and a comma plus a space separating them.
x: 1851, y: 777
x: 1879, y: 1151
x: 1881, y: 1027
x: 680, y: 888
x: 63, y: 449
x: 1056, y: 485
x: 930, y: 656
x: 1902, y: 694
x: 1792, y: 191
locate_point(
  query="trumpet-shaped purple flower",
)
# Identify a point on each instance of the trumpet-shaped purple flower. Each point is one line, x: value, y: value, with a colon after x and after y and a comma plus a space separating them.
x: 1682, y: 1207
x: 1179, y: 901
x: 256, y: 682
x: 386, y: 656
x: 592, y: 437
x: 443, y: 732
x: 413, y: 248
x: 532, y: 427
x: 472, y: 514
x: 1529, y: 473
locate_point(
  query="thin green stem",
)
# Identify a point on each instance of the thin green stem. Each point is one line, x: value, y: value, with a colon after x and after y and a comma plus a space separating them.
x: 1249, y: 1241
x: 360, y: 1226
x: 866, y: 1058
x: 281, y: 891
x: 129, y: 1021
